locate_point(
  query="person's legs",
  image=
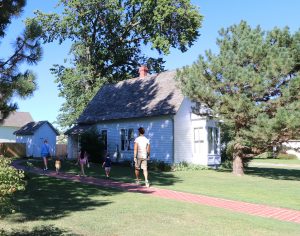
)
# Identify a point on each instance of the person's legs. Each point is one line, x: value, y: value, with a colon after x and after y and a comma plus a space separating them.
x: 145, y: 172
x: 107, y: 170
x: 82, y: 169
x: 45, y: 163
x: 137, y: 166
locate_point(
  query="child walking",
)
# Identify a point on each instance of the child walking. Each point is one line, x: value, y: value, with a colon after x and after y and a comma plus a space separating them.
x: 107, y: 166
x: 83, y: 160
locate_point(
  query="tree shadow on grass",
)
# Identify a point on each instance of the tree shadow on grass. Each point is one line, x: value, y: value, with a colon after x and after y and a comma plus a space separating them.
x: 274, y: 173
x: 44, y: 230
x: 47, y: 198
x: 157, y: 178
x: 163, y: 178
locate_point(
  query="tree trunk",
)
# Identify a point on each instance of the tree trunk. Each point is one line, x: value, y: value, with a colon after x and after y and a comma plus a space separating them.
x: 238, y: 166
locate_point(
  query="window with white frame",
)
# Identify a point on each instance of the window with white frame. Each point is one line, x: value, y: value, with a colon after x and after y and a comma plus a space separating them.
x: 213, y: 140
x: 197, y: 139
x: 127, y: 139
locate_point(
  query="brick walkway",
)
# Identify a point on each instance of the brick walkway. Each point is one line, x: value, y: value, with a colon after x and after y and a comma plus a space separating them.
x: 277, y: 213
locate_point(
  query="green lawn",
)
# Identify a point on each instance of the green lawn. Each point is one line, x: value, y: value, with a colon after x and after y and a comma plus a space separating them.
x: 271, y: 186
x: 52, y: 206
x: 276, y: 161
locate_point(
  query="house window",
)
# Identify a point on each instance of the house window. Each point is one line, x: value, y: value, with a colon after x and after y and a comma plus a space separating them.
x: 213, y: 140
x: 130, y: 139
x: 127, y: 139
x: 197, y: 139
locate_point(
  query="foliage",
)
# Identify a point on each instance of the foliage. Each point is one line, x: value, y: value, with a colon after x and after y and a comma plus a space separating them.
x: 108, y: 37
x: 62, y: 139
x: 91, y: 141
x: 155, y: 165
x: 227, y: 164
x: 265, y: 155
x: 184, y: 166
x: 285, y: 156
x: 252, y: 84
x: 11, y: 181
x: 26, y: 50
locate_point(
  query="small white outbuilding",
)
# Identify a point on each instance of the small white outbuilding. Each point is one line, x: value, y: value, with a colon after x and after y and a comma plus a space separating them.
x: 33, y: 135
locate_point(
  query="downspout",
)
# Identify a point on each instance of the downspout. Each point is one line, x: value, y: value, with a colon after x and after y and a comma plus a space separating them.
x: 173, y: 144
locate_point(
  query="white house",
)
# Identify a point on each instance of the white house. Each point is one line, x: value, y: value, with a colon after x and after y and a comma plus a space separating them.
x: 156, y: 103
x: 293, y: 147
x: 11, y: 124
x: 34, y: 134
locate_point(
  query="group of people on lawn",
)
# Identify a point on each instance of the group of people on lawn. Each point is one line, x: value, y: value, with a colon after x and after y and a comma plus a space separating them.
x: 141, y: 156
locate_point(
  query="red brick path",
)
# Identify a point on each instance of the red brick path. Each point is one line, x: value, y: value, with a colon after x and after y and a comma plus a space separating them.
x: 277, y: 213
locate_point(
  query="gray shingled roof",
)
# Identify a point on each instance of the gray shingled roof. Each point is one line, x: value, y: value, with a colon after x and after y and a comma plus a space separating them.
x: 31, y: 127
x: 17, y: 119
x: 153, y: 95
x: 78, y: 129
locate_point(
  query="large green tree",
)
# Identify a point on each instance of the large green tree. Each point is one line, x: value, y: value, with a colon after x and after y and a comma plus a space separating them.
x: 108, y: 37
x: 26, y: 49
x: 253, y: 85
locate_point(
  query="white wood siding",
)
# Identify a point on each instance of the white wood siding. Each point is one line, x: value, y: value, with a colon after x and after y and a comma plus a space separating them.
x: 7, y: 134
x: 185, y: 125
x: 34, y: 142
x: 73, y: 146
x: 158, y: 130
x: 183, y: 135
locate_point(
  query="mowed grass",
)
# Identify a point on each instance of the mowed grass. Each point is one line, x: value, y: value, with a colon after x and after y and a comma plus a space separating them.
x: 271, y: 186
x: 52, y: 206
x: 276, y: 161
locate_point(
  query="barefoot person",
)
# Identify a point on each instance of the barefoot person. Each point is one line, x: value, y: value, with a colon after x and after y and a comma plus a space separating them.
x: 45, y: 153
x: 141, y: 155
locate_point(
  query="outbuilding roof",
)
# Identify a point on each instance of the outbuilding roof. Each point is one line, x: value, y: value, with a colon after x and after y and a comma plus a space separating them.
x: 32, y: 127
x: 17, y: 119
x: 153, y: 95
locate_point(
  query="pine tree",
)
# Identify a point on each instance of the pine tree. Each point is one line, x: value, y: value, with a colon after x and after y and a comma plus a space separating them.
x: 253, y: 85
x: 27, y: 49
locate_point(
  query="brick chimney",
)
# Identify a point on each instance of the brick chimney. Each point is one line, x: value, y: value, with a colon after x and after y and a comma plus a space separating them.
x: 143, y: 70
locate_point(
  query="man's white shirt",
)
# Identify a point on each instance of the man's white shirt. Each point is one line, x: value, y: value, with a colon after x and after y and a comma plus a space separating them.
x: 142, y: 143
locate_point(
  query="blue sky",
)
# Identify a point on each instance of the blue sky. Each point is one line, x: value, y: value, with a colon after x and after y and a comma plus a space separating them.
x: 45, y: 103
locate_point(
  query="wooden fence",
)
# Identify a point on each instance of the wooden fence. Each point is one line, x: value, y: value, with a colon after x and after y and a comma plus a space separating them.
x: 13, y: 149
x: 61, y: 150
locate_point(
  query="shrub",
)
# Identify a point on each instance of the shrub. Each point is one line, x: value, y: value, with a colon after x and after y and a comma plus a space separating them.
x: 226, y: 164
x: 265, y: 155
x: 159, y: 166
x: 92, y: 142
x: 11, y: 180
x: 184, y: 166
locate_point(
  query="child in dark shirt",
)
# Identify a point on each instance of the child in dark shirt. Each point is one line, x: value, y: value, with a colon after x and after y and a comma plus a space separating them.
x: 107, y: 165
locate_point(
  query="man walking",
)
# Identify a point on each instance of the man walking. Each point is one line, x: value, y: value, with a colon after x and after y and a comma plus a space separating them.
x: 141, y: 155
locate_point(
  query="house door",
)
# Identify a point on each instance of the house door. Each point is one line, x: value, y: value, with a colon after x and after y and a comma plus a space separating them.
x: 198, y: 141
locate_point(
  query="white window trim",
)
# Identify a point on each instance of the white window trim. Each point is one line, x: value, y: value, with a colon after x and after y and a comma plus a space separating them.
x: 126, y: 142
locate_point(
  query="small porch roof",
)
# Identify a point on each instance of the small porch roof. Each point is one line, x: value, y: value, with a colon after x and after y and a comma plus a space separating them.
x: 78, y: 129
